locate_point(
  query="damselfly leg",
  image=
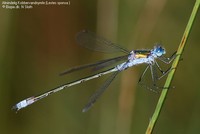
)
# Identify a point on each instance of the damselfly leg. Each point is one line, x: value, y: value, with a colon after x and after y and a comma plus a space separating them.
x: 168, y: 60
x: 154, y: 74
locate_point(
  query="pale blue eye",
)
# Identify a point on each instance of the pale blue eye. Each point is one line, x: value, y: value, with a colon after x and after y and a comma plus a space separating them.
x: 159, y: 51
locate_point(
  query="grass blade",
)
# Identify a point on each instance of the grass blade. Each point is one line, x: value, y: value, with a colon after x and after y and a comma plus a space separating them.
x: 174, y: 67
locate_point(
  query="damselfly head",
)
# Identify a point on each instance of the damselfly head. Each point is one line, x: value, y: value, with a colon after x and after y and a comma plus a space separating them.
x: 158, y: 51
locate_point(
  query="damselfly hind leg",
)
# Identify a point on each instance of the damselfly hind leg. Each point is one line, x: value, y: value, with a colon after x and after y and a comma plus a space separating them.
x: 143, y: 81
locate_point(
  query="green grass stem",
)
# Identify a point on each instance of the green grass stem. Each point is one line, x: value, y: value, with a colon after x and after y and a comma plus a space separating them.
x: 174, y: 67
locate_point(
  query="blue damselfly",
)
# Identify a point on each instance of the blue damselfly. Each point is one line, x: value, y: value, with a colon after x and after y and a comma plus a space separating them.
x: 132, y: 58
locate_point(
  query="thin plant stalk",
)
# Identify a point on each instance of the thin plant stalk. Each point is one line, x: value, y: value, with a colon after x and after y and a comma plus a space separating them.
x: 174, y: 67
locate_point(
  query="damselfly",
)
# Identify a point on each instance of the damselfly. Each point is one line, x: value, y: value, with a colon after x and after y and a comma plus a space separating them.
x: 131, y: 58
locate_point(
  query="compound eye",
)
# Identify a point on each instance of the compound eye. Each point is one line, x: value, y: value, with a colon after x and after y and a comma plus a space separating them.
x: 159, y: 50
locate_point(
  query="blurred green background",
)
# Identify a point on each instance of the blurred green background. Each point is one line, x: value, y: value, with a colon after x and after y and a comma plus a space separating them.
x: 37, y: 44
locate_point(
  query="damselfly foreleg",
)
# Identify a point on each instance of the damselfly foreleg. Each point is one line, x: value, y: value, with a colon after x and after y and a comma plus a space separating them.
x: 168, y: 60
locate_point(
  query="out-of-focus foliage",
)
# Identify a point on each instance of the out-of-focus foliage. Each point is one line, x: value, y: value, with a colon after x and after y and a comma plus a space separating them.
x: 37, y: 44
